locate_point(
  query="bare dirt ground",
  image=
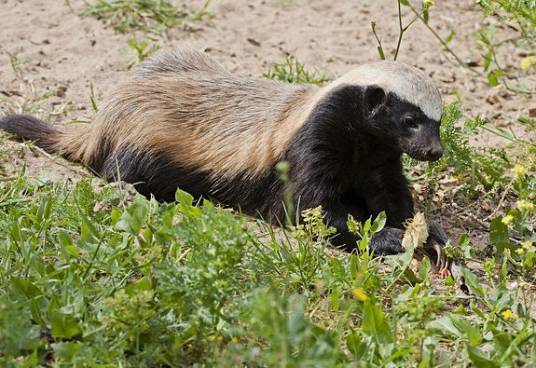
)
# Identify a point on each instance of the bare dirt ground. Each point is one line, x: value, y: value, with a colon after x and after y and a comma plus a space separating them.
x: 52, y: 59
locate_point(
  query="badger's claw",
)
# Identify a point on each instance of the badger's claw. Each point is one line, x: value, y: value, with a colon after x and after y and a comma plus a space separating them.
x: 444, y: 272
x: 437, y: 239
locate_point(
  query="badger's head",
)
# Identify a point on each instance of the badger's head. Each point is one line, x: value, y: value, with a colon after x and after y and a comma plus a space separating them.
x: 400, y: 104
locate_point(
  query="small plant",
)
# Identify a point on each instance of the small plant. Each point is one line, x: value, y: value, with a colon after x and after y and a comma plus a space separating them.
x: 145, y: 15
x: 143, y: 49
x: 292, y: 71
x: 515, y: 230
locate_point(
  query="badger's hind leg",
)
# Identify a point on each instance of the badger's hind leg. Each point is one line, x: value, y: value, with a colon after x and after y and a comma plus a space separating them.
x: 153, y: 174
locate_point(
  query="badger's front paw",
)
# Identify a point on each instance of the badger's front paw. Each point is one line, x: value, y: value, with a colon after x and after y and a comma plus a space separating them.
x: 387, y: 242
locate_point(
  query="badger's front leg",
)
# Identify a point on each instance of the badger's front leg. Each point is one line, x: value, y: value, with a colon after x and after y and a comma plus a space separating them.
x: 314, y: 185
x: 337, y: 207
x: 391, y: 194
x: 386, y: 189
x: 386, y: 242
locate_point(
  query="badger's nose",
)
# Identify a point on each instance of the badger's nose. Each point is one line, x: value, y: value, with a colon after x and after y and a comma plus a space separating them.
x: 435, y: 153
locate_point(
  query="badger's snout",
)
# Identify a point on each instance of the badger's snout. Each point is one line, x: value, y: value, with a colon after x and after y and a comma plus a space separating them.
x: 434, y: 153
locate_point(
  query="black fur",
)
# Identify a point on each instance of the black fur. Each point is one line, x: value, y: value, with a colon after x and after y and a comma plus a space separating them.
x: 157, y: 175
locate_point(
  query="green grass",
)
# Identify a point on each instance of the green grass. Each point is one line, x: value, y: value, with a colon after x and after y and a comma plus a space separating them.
x: 292, y: 71
x: 145, y: 15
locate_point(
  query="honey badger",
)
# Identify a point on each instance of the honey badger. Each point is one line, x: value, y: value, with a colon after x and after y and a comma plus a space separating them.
x: 183, y: 121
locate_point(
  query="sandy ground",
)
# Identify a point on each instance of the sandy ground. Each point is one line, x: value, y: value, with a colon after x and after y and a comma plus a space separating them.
x: 57, y: 48
x: 50, y: 56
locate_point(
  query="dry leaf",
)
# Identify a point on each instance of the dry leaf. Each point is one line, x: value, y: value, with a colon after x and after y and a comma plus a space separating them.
x: 416, y: 232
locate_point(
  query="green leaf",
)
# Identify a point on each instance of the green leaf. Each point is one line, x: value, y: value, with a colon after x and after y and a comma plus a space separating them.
x: 425, y: 14
x: 67, y: 245
x: 450, y: 37
x: 366, y: 226
x: 472, y: 282
x: 43, y: 213
x: 26, y: 287
x: 16, y: 331
x: 134, y: 216
x: 424, y: 269
x: 335, y: 297
x: 133, y: 43
x: 352, y: 224
x: 375, y: 325
x: 379, y: 222
x: 493, y: 77
x: 472, y: 333
x: 14, y: 231
x: 88, y: 231
x: 115, y: 216
x: 498, y: 235
x: 487, y: 60
x: 381, y: 52
x: 502, y: 341
x: 64, y: 326
x: 479, y: 359
x: 143, y: 284
x: 356, y: 345
x: 445, y: 327
x: 184, y: 198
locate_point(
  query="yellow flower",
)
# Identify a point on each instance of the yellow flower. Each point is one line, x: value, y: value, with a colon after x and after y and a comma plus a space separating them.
x: 527, y: 62
x: 508, y: 315
x: 525, y: 205
x: 507, y: 220
x: 360, y: 294
x: 527, y: 244
x: 520, y: 251
x: 427, y: 3
x: 519, y: 172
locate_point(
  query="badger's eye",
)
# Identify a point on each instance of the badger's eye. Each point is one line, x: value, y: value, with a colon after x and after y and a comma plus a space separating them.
x: 410, y: 120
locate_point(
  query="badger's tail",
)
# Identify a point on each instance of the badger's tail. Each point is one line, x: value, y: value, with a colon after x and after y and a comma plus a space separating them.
x: 26, y: 127
x: 68, y: 142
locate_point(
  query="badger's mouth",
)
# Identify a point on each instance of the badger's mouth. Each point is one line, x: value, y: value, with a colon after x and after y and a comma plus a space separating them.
x: 423, y: 152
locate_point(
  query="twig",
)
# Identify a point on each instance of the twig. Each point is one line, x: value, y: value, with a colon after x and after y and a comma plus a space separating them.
x: 511, y: 138
x: 400, y: 30
x: 380, y: 47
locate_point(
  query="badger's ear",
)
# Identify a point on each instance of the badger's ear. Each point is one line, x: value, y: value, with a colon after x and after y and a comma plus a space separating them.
x: 375, y: 98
